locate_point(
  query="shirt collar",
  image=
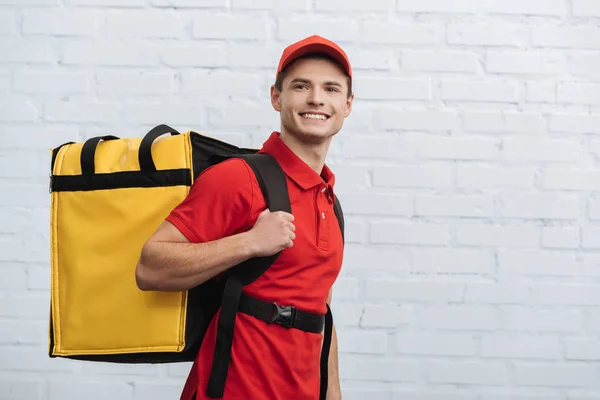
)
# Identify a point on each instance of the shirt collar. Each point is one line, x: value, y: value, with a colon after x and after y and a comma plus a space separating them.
x: 294, y: 167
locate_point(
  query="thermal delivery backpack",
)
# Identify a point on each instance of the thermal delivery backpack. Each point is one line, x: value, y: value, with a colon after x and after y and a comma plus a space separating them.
x: 108, y: 196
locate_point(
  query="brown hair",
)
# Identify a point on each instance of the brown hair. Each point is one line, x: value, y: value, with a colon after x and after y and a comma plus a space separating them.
x: 312, y: 56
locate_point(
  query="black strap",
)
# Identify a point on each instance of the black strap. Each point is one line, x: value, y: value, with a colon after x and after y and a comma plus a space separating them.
x: 286, y: 316
x: 325, y: 354
x: 145, y: 153
x: 273, y: 184
x: 339, y: 214
x: 88, y: 153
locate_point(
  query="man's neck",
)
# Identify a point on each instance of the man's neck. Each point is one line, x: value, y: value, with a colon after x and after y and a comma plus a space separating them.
x: 312, y: 154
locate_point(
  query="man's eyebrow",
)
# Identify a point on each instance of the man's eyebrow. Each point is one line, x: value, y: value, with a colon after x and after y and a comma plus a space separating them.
x: 303, y: 80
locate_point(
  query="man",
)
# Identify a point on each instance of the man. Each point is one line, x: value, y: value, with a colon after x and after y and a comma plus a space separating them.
x: 224, y: 221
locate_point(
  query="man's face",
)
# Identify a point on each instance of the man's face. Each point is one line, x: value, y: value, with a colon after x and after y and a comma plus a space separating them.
x: 313, y: 101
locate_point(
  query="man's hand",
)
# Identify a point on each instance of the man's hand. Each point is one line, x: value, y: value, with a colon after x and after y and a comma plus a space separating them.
x: 272, y: 233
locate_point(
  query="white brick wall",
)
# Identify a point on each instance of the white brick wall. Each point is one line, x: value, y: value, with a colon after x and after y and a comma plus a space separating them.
x: 469, y: 172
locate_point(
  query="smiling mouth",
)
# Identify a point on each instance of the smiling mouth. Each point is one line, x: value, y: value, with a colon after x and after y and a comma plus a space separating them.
x: 321, y: 117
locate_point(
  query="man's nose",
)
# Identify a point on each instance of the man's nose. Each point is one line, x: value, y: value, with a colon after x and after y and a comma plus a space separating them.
x: 315, y: 97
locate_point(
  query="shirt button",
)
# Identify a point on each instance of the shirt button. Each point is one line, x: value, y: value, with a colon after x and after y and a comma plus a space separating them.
x: 323, y: 190
x: 323, y: 215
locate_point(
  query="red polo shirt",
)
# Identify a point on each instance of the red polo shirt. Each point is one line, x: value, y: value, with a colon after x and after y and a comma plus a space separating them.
x: 268, y: 361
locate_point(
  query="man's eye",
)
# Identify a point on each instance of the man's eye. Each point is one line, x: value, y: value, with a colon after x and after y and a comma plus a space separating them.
x: 300, y: 86
x: 333, y: 89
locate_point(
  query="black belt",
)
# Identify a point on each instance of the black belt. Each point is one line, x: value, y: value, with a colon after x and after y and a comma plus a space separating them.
x: 286, y: 316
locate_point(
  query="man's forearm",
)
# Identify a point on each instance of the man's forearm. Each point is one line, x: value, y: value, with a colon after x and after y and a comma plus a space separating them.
x: 333, y: 385
x: 169, y: 266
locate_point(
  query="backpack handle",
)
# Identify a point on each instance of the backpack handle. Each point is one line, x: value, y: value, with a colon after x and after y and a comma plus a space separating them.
x: 145, y: 153
x: 88, y: 153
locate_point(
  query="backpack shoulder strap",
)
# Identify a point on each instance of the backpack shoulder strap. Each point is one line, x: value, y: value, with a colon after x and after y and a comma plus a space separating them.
x: 339, y: 214
x: 273, y: 184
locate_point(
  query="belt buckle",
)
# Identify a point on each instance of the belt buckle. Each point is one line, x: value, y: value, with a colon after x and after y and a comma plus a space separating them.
x: 283, y: 315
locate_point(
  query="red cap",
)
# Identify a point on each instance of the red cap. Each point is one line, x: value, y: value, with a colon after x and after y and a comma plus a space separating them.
x: 314, y: 44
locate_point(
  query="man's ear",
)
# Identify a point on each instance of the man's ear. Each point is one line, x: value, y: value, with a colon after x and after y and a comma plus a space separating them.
x: 275, y: 98
x: 348, y: 108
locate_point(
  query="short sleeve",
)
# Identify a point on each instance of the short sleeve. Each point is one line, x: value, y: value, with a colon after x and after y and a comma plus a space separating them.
x: 219, y: 203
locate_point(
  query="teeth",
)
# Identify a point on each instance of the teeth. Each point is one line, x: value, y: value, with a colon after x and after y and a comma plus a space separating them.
x: 314, y: 116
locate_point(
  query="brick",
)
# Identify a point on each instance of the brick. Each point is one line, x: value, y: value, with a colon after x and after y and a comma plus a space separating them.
x: 90, y: 390
x: 575, y: 123
x: 195, y: 55
x: 20, y: 389
x: 521, y: 319
x: 15, y: 136
x: 444, y: 394
x: 504, y: 122
x: 541, y: 149
x: 478, y: 234
x: 362, y: 342
x: 570, y: 179
x: 508, y: 7
x: 518, y: 395
x: 17, y: 109
x: 479, y: 90
x: 404, y: 291
x: 148, y: 24
x: 254, y: 56
x: 485, y: 177
x: 525, y: 62
x: 13, y: 277
x: 74, y: 111
x: 15, y: 332
x: 361, y: 259
x: 378, y: 370
x: 5, y: 82
x: 372, y: 88
x: 566, y: 294
x: 438, y: 344
x: 541, y: 206
x: 586, y: 8
x: 8, y: 25
x: 23, y: 164
x: 496, y: 293
x: 440, y: 61
x: 454, y: 206
x: 585, y: 65
x: 385, y: 316
x: 31, y: 306
x: 413, y: 176
x: 463, y: 317
x: 458, y: 148
x: 555, y: 375
x: 346, y: 288
x: 537, y: 263
x: 32, y: 81
x: 393, y: 32
x: 466, y: 372
x: 337, y: 5
x: 60, y: 23
x: 301, y: 5
x: 582, y: 349
x: 409, y: 233
x: 594, y: 208
x: 579, y: 37
x: 589, y: 238
x: 183, y: 112
x: 452, y: 261
x: 29, y: 359
x: 150, y: 391
x: 422, y: 120
x: 237, y: 114
x: 560, y: 238
x: 135, y: 83
x: 217, y: 26
x: 190, y: 3
x: 540, y: 92
x: 38, y: 278
x: 337, y: 29
x: 437, y: 6
x: 145, y: 370
x: 31, y: 2
x: 369, y: 59
x: 378, y: 204
x: 346, y: 313
x: 515, y: 346
x: 211, y: 83
x: 107, y: 3
x: 490, y: 34
x: 372, y: 394
x: 579, y: 93
x: 107, y: 54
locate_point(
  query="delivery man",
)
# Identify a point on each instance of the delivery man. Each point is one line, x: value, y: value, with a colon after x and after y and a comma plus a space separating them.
x: 224, y: 221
